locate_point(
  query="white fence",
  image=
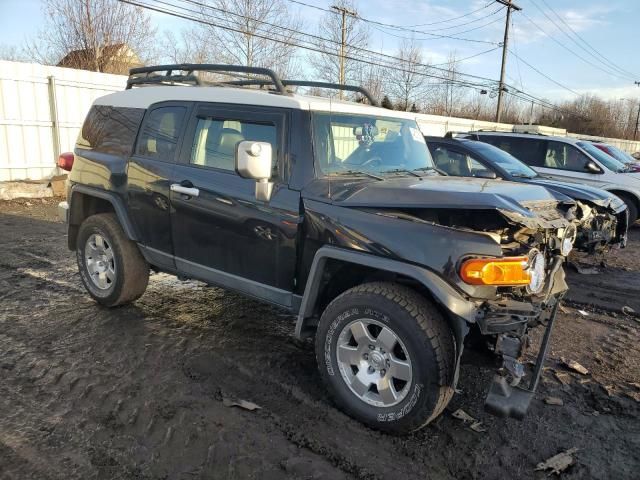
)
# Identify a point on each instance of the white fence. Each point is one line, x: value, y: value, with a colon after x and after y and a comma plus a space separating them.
x: 42, y: 108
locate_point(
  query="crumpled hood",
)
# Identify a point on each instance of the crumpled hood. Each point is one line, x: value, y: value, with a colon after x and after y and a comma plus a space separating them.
x: 443, y: 192
x: 577, y: 191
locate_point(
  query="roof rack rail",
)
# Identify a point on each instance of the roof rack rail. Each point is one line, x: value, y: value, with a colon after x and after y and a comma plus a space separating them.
x: 143, y: 75
x: 310, y: 83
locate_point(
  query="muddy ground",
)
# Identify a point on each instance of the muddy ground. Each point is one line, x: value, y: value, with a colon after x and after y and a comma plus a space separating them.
x: 138, y: 391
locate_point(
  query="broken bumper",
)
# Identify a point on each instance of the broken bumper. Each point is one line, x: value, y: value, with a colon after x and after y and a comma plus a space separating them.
x: 510, y: 321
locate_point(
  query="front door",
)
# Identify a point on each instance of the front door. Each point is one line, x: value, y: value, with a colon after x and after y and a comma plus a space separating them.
x: 567, y: 163
x: 221, y: 233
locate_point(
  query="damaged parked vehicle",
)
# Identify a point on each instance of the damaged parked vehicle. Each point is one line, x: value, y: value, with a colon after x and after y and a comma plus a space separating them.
x: 330, y: 209
x: 600, y: 216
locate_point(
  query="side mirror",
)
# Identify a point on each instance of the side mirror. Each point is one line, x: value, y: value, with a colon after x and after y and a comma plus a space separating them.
x: 592, y: 167
x: 491, y: 175
x: 253, y: 160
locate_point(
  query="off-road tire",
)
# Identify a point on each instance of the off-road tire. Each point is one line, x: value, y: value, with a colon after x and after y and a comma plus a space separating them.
x: 631, y: 207
x: 131, y: 272
x: 426, y: 336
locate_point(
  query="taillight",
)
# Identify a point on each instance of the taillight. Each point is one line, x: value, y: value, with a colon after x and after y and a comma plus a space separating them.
x: 65, y: 161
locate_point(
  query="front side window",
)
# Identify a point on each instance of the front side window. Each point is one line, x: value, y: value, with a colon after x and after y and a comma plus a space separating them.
x: 563, y: 156
x: 456, y: 163
x: 159, y: 137
x: 346, y: 143
x: 216, y: 140
x: 604, y: 158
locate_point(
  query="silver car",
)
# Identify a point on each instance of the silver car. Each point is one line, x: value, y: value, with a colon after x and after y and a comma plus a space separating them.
x: 570, y: 160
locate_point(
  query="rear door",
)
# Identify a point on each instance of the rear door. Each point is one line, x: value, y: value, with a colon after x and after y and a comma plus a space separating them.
x: 221, y: 233
x: 148, y: 174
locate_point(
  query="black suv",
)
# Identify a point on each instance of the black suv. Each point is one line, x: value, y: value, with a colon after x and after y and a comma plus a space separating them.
x: 332, y: 210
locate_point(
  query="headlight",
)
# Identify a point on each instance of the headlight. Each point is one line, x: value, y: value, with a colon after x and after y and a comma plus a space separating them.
x: 568, y: 239
x: 536, y: 271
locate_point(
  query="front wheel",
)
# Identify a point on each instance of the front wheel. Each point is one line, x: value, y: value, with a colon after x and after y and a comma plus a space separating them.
x: 631, y: 207
x: 387, y: 356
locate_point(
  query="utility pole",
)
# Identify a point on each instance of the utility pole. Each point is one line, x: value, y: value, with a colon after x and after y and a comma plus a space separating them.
x: 343, y: 44
x: 510, y: 6
x: 635, y: 133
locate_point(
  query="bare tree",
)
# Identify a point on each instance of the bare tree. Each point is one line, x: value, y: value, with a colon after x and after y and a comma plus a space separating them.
x: 99, y: 35
x: 406, y: 80
x: 252, y: 28
x: 191, y: 47
x: 11, y: 53
x: 326, y: 63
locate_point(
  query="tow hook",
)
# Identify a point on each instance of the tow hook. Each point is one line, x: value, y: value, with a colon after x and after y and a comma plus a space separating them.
x: 510, y: 400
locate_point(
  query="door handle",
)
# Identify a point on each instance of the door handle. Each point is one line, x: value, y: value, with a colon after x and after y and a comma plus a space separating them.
x: 192, y: 192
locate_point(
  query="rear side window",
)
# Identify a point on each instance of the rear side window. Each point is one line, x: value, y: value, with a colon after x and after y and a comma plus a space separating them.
x: 110, y: 130
x: 159, y: 137
x: 216, y: 140
x: 528, y: 150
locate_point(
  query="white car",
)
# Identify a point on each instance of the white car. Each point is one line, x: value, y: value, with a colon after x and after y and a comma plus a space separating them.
x: 570, y: 160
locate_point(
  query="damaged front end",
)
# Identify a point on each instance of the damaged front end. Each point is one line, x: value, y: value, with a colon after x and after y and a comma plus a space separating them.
x: 542, y: 236
x: 599, y: 227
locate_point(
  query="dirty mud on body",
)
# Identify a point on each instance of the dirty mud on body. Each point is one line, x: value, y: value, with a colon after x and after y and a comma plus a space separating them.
x: 143, y: 391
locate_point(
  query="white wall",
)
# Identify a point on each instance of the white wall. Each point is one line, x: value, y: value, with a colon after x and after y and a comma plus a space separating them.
x: 27, y: 140
x: 26, y: 126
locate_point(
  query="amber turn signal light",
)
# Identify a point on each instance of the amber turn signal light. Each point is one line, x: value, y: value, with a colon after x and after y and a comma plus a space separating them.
x: 494, y: 271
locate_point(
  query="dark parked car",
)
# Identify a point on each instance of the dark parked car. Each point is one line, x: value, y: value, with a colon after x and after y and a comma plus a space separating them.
x: 601, y: 217
x: 331, y: 210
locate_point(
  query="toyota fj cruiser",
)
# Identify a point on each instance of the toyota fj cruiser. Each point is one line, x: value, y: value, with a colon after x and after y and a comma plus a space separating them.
x: 330, y: 209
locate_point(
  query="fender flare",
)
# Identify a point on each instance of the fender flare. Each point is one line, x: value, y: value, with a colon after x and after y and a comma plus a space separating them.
x: 115, y: 201
x: 461, y: 310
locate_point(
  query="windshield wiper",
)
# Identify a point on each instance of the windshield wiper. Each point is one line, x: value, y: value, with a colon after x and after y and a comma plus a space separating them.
x: 401, y: 170
x: 357, y: 172
x: 431, y: 169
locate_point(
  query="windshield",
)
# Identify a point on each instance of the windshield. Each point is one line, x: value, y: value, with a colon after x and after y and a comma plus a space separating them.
x: 505, y: 160
x: 604, y: 158
x: 620, y: 155
x: 365, y: 144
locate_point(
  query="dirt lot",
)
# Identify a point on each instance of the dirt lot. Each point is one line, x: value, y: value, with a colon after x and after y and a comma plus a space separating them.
x: 138, y: 392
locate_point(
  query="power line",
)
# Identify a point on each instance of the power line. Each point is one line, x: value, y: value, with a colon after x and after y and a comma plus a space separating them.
x: 603, y: 59
x: 437, y: 36
x: 299, y: 33
x: 459, y: 60
x: 261, y: 35
x: 366, y: 61
x: 404, y: 26
x: 544, y: 74
x: 608, y: 72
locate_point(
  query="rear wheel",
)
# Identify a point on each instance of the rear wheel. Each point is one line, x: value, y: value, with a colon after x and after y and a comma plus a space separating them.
x: 632, y: 207
x: 387, y: 356
x: 112, y: 269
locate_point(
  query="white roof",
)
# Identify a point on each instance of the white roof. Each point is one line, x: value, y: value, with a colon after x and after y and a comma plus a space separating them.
x: 143, y: 97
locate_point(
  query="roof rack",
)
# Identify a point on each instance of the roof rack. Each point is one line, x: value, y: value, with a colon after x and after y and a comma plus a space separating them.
x: 310, y: 83
x: 145, y: 75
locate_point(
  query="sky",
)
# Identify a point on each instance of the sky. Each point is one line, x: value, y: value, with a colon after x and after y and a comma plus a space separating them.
x: 606, y: 33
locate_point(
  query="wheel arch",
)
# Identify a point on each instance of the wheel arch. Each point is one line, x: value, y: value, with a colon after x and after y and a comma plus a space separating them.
x: 365, y: 267
x: 85, y: 201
